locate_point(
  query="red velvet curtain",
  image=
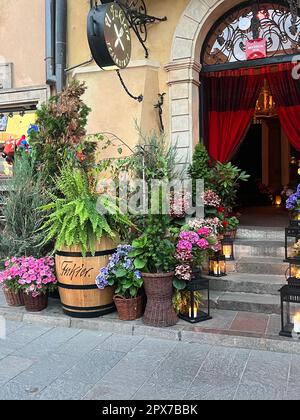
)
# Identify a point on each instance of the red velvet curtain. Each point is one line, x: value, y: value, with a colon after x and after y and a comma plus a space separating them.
x: 230, y: 103
x: 285, y: 88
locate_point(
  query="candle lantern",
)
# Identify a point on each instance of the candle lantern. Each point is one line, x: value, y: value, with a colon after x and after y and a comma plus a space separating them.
x: 292, y: 243
x: 290, y: 311
x: 217, y: 265
x: 293, y: 277
x: 228, y: 249
x: 197, y: 299
x: 294, y: 219
x: 278, y: 200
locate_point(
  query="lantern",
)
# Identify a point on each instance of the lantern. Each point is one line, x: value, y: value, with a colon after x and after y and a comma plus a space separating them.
x: 217, y: 265
x: 290, y: 311
x: 292, y: 245
x: 293, y: 278
x: 196, y: 306
x: 278, y: 200
x: 228, y: 249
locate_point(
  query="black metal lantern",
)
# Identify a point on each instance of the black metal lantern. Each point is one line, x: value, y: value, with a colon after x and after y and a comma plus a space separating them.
x: 217, y: 265
x: 197, y: 300
x: 290, y: 311
x: 293, y: 273
x: 292, y: 237
x: 228, y: 249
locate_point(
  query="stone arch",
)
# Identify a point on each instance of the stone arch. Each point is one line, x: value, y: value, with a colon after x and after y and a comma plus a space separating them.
x: 184, y: 68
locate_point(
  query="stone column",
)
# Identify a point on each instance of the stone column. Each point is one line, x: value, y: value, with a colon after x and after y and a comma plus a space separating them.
x: 184, y: 82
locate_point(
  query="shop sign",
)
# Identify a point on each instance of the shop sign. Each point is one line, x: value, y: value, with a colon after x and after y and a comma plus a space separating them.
x: 109, y: 36
x: 256, y: 48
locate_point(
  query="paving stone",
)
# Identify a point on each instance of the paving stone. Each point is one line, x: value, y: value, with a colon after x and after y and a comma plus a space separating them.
x: 265, y: 376
x: 208, y: 387
x: 225, y: 362
x: 46, y: 369
x: 50, y: 341
x: 107, y: 391
x: 172, y: 333
x: 107, y: 325
x: 221, y: 320
x: 274, y: 325
x: 14, y: 391
x: 176, y: 372
x: 25, y: 335
x: 158, y: 392
x: 121, y: 343
x: 83, y: 342
x: 11, y: 366
x: 155, y: 346
x: 47, y: 319
x: 250, y: 322
x: 64, y: 390
x: 93, y: 366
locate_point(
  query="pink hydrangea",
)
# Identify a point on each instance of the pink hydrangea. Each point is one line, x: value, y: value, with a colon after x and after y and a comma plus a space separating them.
x: 189, y: 236
x: 211, y: 199
x: 184, y: 246
x: 204, y: 231
x: 184, y: 272
x: 203, y: 244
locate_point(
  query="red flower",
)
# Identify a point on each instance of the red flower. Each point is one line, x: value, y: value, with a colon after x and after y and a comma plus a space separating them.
x: 225, y: 224
x: 221, y: 209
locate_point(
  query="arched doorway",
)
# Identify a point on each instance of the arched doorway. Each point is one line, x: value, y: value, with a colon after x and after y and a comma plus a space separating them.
x: 247, y: 61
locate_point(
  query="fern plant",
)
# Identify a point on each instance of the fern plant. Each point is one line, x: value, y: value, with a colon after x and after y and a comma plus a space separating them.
x: 74, y: 216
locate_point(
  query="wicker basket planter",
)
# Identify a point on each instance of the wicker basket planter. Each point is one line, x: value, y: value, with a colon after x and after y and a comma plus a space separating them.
x: 36, y: 304
x: 129, y: 309
x: 159, y: 290
x: 13, y: 299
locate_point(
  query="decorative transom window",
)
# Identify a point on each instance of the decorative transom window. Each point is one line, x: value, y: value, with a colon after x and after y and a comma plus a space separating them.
x: 276, y: 22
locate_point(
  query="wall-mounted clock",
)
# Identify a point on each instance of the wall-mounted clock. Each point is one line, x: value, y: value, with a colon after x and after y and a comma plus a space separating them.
x: 109, y: 36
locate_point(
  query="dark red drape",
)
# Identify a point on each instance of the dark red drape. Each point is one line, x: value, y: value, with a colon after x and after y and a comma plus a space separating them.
x: 231, y: 98
x: 285, y: 87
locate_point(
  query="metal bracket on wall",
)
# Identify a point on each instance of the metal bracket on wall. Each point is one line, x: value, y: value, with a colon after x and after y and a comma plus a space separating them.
x: 159, y: 108
x: 136, y: 13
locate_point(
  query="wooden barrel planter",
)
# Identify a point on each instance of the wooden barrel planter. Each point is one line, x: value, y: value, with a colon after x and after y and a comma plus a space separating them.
x: 79, y: 294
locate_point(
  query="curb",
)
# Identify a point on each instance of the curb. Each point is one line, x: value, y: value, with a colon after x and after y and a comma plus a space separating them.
x: 178, y: 333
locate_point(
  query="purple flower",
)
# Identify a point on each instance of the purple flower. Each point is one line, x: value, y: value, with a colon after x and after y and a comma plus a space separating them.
x: 184, y: 246
x: 189, y: 236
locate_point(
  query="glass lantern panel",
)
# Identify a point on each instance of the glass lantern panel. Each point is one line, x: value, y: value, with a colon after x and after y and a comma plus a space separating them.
x: 291, y: 318
x: 291, y: 252
x: 295, y: 271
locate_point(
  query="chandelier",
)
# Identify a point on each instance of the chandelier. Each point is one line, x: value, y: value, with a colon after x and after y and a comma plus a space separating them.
x: 265, y: 105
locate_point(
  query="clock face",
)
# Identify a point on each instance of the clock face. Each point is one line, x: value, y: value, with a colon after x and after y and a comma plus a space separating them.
x: 117, y: 35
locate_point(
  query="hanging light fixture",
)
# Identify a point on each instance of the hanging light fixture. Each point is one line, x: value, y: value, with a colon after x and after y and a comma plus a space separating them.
x: 265, y: 105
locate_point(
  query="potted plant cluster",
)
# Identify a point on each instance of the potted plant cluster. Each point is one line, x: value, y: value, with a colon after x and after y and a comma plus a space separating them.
x: 28, y: 281
x: 127, y: 282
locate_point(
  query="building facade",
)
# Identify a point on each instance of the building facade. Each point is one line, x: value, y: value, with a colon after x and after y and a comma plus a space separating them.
x: 179, y: 50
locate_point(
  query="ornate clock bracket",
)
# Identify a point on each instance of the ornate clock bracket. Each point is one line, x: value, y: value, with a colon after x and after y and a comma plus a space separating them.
x: 136, y: 13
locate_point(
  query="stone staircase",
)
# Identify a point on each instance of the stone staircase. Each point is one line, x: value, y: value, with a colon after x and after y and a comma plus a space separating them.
x: 256, y: 275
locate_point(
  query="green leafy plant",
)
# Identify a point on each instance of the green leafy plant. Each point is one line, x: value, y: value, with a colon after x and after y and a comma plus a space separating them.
x: 225, y: 182
x: 25, y: 193
x: 82, y: 216
x: 200, y: 168
x: 121, y: 274
x: 154, y: 251
x: 61, y: 134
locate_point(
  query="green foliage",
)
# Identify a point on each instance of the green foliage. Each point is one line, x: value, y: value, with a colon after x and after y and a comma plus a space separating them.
x: 78, y: 218
x: 182, y: 301
x: 154, y: 251
x: 225, y: 182
x: 156, y: 156
x: 61, y: 135
x: 26, y: 193
x: 200, y: 168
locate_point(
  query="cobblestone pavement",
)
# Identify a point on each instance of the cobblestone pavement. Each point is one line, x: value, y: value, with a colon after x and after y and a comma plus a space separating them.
x: 40, y: 362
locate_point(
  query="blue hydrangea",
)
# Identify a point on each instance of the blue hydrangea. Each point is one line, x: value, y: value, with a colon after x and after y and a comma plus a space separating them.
x: 138, y: 275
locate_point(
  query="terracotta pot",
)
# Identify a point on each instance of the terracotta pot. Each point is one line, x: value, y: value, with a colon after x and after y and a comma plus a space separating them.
x: 129, y: 309
x: 13, y: 299
x: 36, y: 304
x: 159, y: 290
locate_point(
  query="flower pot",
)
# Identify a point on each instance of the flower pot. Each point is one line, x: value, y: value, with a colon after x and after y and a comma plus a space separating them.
x: 129, y: 309
x: 79, y: 294
x: 35, y: 304
x: 159, y: 290
x: 13, y: 299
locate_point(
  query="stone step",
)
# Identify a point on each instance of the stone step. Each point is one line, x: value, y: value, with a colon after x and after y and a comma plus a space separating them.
x: 261, y: 233
x: 246, y: 302
x: 258, y: 265
x: 257, y: 248
x: 248, y: 283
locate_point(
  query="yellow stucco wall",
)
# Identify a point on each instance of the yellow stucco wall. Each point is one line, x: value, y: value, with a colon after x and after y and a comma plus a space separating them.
x: 113, y: 110
x: 22, y: 35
